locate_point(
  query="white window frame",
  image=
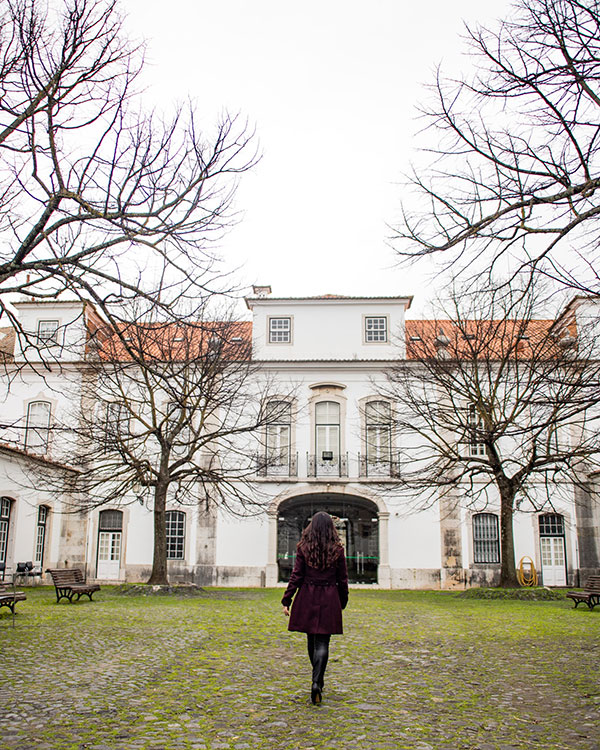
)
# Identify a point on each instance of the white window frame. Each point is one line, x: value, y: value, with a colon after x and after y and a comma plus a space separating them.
x: 378, y: 428
x: 115, y: 412
x: 476, y: 447
x: 40, y: 534
x: 280, y: 334
x: 278, y: 434
x: 48, y: 337
x: 175, y: 534
x: 6, y: 504
x: 37, y: 435
x: 327, y: 431
x: 372, y: 333
x: 182, y: 443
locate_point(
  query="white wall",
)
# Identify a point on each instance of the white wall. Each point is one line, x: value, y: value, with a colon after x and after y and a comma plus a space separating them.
x: 327, y: 329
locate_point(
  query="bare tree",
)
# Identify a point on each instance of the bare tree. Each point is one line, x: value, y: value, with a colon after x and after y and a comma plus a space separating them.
x: 174, y: 410
x: 98, y: 197
x: 515, y: 170
x: 496, y: 406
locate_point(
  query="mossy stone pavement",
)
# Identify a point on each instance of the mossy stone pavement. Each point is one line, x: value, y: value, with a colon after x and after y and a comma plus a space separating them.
x: 422, y: 670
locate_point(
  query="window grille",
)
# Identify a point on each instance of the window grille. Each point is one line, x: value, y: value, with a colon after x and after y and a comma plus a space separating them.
x: 486, y: 543
x: 552, y: 524
x: 280, y: 330
x: 110, y: 520
x: 175, y: 532
x: 376, y: 329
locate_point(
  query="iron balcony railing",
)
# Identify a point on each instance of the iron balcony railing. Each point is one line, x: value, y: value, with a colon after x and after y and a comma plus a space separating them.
x: 280, y: 466
x: 326, y: 464
x: 380, y: 467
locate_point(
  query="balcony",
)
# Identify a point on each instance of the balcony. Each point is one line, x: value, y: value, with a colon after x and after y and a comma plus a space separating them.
x: 326, y: 464
x: 279, y: 466
x: 379, y: 468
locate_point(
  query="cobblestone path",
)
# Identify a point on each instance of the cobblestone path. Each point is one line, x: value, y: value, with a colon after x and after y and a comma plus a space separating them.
x: 420, y: 670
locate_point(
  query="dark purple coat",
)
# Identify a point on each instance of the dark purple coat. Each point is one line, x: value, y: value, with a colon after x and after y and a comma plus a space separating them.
x: 321, y: 597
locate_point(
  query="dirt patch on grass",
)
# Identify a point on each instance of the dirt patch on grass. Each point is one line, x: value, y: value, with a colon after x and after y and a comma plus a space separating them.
x: 535, y: 594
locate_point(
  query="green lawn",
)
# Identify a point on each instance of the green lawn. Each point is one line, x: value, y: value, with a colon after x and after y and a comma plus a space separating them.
x: 413, y: 670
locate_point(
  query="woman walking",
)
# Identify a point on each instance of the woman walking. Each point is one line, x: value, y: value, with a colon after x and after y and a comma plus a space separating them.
x: 321, y: 581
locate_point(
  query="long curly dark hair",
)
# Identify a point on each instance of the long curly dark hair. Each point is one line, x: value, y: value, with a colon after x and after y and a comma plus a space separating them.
x: 320, y: 542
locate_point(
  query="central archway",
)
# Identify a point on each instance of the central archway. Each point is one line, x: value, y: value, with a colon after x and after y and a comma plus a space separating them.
x: 357, y: 522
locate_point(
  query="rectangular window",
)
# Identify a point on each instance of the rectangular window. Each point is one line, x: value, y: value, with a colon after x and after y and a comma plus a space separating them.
x: 378, y: 418
x: 47, y: 332
x: 40, y: 539
x: 476, y: 448
x: 486, y: 543
x: 116, y: 426
x: 175, y: 528
x: 376, y: 330
x: 5, y: 506
x: 179, y: 429
x: 279, y: 418
x: 280, y: 330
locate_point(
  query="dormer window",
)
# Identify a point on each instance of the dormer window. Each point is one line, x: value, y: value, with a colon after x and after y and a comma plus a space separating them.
x: 47, y: 332
x: 280, y: 330
x: 376, y: 330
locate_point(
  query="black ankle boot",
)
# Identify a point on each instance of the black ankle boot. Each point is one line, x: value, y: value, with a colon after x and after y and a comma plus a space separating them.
x: 315, y: 693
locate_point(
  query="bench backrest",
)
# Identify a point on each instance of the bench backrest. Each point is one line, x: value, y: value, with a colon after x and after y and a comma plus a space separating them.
x: 66, y: 576
x: 593, y: 584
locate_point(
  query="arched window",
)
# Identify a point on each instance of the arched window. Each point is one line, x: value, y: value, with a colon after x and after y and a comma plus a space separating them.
x: 37, y: 428
x: 40, y: 536
x: 378, y: 419
x: 175, y: 529
x: 486, y: 540
x: 327, y: 430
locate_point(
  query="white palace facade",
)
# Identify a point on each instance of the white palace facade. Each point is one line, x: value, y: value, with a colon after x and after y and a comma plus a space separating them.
x: 336, y: 454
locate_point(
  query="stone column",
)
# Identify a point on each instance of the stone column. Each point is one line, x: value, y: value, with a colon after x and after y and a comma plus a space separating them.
x: 272, y: 570
x: 384, y: 575
x: 452, y: 572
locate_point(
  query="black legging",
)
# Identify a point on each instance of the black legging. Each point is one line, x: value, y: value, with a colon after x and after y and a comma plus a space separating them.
x: 318, y: 651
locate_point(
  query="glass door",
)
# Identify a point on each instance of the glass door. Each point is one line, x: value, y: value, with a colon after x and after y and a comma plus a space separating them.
x: 110, y: 532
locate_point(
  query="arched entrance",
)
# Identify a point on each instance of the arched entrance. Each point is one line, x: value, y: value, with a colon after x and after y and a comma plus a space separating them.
x: 358, y: 525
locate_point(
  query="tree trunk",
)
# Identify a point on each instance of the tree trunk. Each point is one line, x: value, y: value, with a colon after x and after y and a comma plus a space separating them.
x: 508, y: 571
x: 158, y: 576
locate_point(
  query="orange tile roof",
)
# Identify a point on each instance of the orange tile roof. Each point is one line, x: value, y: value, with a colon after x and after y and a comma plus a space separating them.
x: 7, y: 343
x: 479, y: 339
x: 176, y: 341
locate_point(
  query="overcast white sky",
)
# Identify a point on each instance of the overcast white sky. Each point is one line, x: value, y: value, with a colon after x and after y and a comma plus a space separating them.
x: 332, y: 88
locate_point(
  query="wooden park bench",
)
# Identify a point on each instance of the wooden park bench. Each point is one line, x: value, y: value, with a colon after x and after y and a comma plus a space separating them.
x: 69, y: 582
x: 9, y: 597
x: 590, y: 594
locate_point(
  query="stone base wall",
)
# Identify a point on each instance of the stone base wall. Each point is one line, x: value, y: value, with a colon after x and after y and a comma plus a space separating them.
x: 399, y: 578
